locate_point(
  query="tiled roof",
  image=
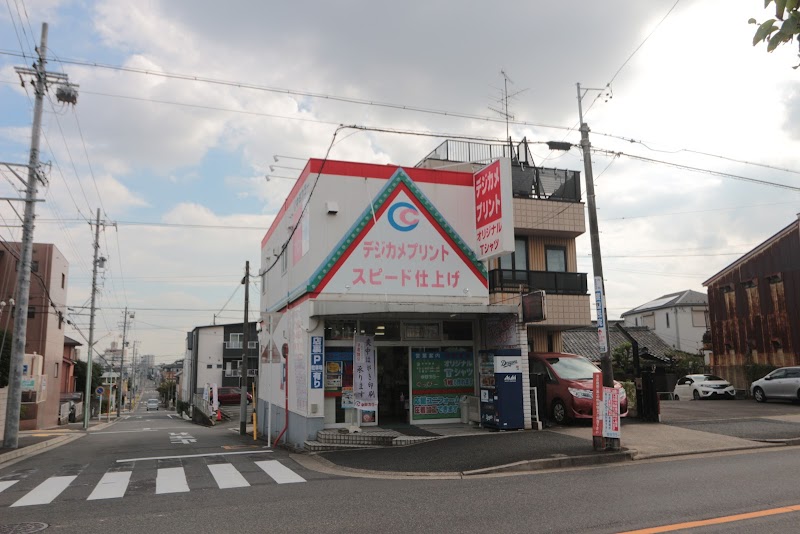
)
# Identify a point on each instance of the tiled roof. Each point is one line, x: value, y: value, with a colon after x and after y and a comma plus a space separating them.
x: 583, y: 341
x: 681, y: 298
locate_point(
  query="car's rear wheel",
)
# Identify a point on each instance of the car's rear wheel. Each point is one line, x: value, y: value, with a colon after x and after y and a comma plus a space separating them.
x: 695, y: 395
x: 559, y: 412
x: 758, y: 393
x: 676, y: 397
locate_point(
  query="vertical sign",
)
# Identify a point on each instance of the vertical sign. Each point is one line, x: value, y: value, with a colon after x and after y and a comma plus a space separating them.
x: 600, y: 305
x: 597, y: 401
x: 494, y: 213
x: 317, y: 363
x: 364, y: 383
x: 611, y: 413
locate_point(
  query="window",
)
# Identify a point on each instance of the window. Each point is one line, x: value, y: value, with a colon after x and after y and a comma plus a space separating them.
x: 699, y: 318
x: 780, y: 373
x: 219, y: 366
x: 667, y: 316
x: 555, y: 259
x: 635, y: 321
x: 235, y: 341
x: 518, y: 261
x: 60, y: 320
x: 284, y: 261
x: 31, y: 312
x: 209, y: 366
x: 649, y: 321
x: 252, y: 344
x: 55, y: 375
x: 63, y: 280
x: 34, y: 266
x: 264, y: 283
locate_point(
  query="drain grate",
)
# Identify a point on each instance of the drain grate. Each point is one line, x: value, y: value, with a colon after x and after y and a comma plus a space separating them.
x: 23, y: 528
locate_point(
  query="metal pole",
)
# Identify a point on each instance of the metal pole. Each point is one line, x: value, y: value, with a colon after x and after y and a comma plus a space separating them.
x: 122, y: 360
x: 597, y: 267
x: 243, y: 366
x: 269, y: 386
x: 14, y: 406
x: 88, y: 391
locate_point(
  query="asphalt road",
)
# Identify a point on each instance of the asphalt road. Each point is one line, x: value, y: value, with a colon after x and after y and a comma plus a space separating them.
x: 613, y: 498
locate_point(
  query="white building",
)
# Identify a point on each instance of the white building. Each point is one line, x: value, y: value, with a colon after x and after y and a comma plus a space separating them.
x: 680, y: 319
x: 390, y: 253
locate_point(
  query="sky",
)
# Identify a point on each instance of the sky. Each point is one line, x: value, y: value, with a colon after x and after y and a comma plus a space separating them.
x: 176, y: 165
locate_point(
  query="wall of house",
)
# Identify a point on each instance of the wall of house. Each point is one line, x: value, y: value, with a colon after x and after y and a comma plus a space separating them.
x: 754, y: 310
x: 550, y: 216
x: 209, y: 352
x: 682, y: 333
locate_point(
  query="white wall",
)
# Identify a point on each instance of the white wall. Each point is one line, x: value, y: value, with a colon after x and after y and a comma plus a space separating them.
x: 681, y: 333
x: 209, y: 351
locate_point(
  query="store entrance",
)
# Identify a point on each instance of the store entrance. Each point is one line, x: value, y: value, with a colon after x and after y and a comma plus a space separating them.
x: 393, y: 398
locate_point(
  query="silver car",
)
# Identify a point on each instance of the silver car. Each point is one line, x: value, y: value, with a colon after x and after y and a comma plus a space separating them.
x: 783, y: 383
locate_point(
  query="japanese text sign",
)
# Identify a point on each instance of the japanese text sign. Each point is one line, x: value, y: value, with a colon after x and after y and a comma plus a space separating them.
x: 317, y: 362
x: 364, y: 372
x: 494, y: 212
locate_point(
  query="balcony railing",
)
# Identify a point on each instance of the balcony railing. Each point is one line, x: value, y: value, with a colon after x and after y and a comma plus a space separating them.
x: 559, y: 283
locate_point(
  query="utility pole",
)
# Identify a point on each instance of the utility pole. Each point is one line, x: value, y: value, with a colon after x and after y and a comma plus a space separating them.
x: 122, y: 356
x: 88, y: 393
x: 243, y: 366
x: 599, y: 442
x: 22, y: 297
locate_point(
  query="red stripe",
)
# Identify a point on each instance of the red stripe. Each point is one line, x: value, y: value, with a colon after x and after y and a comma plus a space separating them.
x: 441, y: 391
x: 367, y: 170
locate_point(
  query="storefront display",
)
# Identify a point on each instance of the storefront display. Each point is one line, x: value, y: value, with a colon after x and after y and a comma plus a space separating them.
x: 439, y: 379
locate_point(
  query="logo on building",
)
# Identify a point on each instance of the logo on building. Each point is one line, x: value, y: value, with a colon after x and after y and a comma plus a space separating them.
x: 403, y: 216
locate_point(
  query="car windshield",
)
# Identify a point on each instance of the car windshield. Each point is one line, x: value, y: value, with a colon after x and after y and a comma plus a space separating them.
x: 573, y: 368
x: 713, y: 377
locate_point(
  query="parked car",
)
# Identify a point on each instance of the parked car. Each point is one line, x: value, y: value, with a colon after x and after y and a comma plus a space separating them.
x: 783, y: 383
x: 569, y: 385
x: 152, y: 404
x: 231, y: 395
x: 703, y: 387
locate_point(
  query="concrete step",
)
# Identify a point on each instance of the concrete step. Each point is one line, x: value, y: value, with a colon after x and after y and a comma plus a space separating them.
x: 316, y: 446
x: 376, y: 438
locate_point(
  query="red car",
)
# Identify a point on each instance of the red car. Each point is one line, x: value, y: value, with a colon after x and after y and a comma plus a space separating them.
x: 569, y: 385
x: 231, y: 395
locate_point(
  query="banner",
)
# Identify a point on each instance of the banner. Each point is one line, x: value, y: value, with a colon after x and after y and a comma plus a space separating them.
x: 364, y: 373
x: 438, y: 380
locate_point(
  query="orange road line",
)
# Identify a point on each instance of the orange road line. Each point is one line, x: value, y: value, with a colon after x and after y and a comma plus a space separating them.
x: 717, y: 520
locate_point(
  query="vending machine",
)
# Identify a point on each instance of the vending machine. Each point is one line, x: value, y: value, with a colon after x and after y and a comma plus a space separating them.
x: 501, y: 389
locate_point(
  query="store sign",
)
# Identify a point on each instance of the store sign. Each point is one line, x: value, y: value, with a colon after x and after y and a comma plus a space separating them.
x: 365, y: 381
x: 494, y: 210
x: 600, y: 306
x: 611, y: 413
x: 438, y: 380
x: 317, y: 362
x: 508, y: 364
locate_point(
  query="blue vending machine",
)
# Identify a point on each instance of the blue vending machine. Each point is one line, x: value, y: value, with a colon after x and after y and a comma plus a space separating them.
x: 501, y: 389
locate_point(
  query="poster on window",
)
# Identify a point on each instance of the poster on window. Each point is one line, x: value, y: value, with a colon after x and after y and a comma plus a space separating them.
x: 439, y: 379
x: 364, y: 373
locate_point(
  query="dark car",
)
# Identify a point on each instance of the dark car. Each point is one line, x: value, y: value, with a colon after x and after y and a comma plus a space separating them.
x: 569, y: 385
x: 231, y: 395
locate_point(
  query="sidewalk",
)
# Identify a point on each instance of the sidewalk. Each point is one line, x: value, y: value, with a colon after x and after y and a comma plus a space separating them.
x: 33, y: 442
x: 464, y: 451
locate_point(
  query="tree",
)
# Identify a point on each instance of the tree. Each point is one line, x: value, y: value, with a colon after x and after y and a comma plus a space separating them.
x: 622, y: 361
x: 167, y: 390
x: 80, y: 375
x: 5, y: 357
x: 786, y: 11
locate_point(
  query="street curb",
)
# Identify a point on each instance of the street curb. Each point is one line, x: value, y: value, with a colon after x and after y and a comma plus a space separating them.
x: 315, y: 462
x: 9, y: 458
x: 762, y: 445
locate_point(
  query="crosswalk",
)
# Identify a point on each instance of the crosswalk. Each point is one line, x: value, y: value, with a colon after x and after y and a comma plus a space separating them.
x: 22, y: 489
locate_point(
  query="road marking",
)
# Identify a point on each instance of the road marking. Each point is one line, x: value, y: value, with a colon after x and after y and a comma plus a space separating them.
x: 227, y: 476
x: 181, y: 437
x: 188, y: 456
x: 171, y: 480
x: 5, y: 484
x: 717, y: 520
x: 124, y: 431
x: 45, y: 492
x: 279, y: 472
x: 111, y: 486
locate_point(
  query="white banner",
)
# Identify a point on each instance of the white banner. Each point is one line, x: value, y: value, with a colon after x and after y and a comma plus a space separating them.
x: 600, y: 306
x: 364, y: 373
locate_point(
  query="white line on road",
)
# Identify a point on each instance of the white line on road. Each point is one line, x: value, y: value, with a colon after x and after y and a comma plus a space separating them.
x: 171, y: 480
x: 5, y: 484
x: 111, y: 486
x: 124, y: 431
x: 189, y: 456
x: 227, y: 476
x: 45, y: 492
x: 279, y: 472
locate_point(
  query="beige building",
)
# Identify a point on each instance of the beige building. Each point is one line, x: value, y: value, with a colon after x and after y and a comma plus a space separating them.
x: 44, y: 346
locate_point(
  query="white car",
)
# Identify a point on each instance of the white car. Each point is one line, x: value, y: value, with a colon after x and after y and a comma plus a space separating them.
x: 783, y: 383
x: 703, y: 387
x: 152, y: 404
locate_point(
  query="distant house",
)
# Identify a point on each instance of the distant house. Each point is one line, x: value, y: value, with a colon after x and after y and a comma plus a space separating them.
x: 71, y: 356
x: 583, y: 341
x: 754, y: 306
x: 677, y: 318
